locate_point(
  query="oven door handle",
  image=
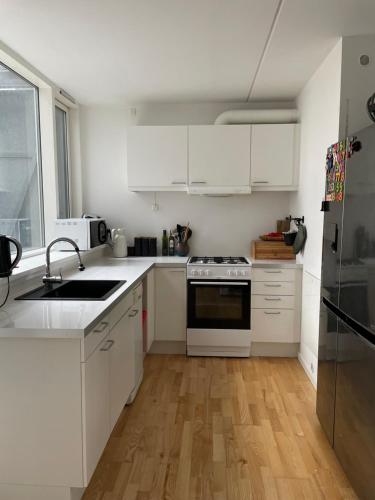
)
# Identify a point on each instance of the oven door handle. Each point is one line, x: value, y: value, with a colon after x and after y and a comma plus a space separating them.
x: 219, y: 283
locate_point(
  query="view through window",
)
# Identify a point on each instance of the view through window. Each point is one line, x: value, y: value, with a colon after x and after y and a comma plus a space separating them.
x: 21, y: 212
x: 62, y: 162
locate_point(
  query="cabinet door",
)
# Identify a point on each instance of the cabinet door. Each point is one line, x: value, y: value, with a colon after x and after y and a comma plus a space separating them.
x: 272, y: 325
x: 95, y: 376
x: 219, y: 155
x: 170, y: 298
x: 157, y: 158
x: 273, y: 162
x: 138, y: 340
x: 121, y: 366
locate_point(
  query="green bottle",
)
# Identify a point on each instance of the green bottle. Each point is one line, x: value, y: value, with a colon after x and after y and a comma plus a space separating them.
x: 164, y: 244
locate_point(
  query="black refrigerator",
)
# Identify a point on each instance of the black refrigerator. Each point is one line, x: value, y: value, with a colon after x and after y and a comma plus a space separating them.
x: 346, y: 359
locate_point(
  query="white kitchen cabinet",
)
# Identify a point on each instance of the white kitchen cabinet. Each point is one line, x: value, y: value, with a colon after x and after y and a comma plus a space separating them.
x: 121, y: 365
x: 219, y: 156
x: 275, y: 309
x: 274, y: 157
x: 170, y: 304
x: 273, y: 325
x: 150, y: 304
x: 157, y: 158
x: 96, y: 414
x: 137, y: 329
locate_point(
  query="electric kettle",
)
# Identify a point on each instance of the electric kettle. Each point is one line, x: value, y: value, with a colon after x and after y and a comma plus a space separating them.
x: 6, y: 263
x: 120, y: 248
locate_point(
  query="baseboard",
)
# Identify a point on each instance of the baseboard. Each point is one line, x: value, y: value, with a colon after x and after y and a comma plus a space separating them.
x: 168, y: 347
x: 274, y: 349
x: 305, y: 366
x: 26, y: 492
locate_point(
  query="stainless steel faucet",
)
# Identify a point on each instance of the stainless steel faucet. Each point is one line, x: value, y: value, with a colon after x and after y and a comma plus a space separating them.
x: 58, y: 279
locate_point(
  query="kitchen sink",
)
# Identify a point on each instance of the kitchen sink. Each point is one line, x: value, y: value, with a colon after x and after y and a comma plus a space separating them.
x: 74, y: 290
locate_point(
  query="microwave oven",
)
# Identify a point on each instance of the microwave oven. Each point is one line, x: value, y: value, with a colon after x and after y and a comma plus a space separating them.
x: 87, y: 233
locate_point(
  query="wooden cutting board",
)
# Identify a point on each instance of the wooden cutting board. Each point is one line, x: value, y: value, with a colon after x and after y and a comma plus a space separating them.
x: 271, y: 250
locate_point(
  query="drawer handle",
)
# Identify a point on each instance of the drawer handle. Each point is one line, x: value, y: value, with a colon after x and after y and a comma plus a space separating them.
x: 260, y: 182
x: 269, y: 312
x: 272, y: 286
x: 273, y: 300
x: 109, y: 344
x: 104, y: 325
x: 272, y: 272
x: 198, y: 182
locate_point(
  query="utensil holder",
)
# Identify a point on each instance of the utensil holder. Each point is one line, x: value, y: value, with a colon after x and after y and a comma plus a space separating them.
x: 182, y: 249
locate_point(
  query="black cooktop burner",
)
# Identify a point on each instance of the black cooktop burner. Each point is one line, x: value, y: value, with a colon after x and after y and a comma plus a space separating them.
x: 227, y: 261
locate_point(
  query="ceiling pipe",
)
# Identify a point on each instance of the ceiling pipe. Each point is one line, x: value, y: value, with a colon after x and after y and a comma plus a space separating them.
x: 245, y: 116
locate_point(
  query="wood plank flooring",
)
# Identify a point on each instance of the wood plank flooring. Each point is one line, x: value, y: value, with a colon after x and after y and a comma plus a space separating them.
x: 220, y: 429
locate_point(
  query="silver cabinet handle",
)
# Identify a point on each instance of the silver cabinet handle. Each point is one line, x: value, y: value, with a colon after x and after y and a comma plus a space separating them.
x: 273, y: 272
x: 269, y: 312
x: 134, y: 314
x: 260, y: 182
x: 109, y: 344
x: 176, y: 270
x: 198, y: 182
x: 103, y: 326
x: 272, y: 286
x: 179, y: 182
x: 273, y: 300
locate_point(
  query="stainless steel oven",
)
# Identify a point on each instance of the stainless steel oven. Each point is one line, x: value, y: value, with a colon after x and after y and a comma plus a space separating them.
x: 218, y: 306
x: 223, y: 305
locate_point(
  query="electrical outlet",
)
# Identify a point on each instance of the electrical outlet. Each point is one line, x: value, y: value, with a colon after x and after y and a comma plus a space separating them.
x: 312, y: 367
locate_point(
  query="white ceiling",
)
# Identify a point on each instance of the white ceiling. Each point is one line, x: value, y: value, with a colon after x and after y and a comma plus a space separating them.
x: 130, y: 51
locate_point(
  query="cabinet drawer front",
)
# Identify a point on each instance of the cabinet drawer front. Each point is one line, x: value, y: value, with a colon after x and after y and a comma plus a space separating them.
x: 93, y: 339
x: 273, y: 274
x: 272, y: 325
x: 272, y: 301
x: 138, y: 293
x: 120, y: 309
x: 272, y: 288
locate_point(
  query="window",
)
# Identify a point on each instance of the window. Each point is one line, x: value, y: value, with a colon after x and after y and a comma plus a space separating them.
x: 61, y: 115
x: 21, y: 202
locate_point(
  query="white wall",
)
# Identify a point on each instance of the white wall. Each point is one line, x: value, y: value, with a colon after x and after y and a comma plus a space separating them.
x: 220, y: 225
x: 357, y: 83
x: 319, y: 107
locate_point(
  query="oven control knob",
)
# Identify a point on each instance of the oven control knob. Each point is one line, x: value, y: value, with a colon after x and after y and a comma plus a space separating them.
x: 200, y: 272
x: 207, y: 273
x: 194, y: 272
x: 243, y: 273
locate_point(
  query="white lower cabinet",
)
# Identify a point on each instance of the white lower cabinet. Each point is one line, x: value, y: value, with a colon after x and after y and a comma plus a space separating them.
x: 96, y: 415
x: 170, y: 304
x: 121, y: 366
x: 275, y: 305
x: 273, y: 325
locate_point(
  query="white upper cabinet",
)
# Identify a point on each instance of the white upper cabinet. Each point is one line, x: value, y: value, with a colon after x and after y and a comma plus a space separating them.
x: 219, y: 158
x: 274, y: 157
x: 157, y: 158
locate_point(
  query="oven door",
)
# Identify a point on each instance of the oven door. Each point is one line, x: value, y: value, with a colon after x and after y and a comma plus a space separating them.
x: 219, y: 304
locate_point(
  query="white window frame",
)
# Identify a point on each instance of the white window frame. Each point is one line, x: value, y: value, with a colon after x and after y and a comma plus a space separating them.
x: 49, y: 94
x: 62, y: 106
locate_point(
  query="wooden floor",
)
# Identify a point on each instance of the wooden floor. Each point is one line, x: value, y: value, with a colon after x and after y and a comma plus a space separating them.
x: 215, y: 429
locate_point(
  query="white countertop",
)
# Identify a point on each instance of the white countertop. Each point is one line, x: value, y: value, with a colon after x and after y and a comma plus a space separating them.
x: 74, y: 319
x: 283, y: 264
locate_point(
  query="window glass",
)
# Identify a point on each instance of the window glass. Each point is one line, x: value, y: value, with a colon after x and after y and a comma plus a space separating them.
x: 21, y: 213
x: 62, y: 163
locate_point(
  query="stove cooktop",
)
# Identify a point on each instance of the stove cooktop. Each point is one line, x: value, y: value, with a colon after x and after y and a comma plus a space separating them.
x: 225, y: 261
